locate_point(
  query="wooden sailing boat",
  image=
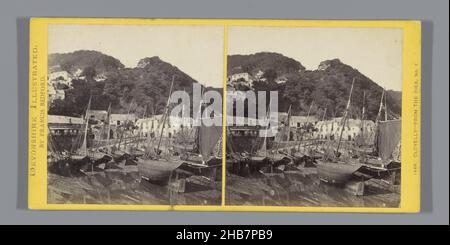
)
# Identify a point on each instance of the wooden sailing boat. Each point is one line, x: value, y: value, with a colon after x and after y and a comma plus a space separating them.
x: 381, y: 163
x: 269, y: 162
x: 95, y: 157
x: 260, y: 158
x: 152, y: 166
x: 203, y: 157
x: 362, y: 140
x: 305, y: 158
x: 71, y: 164
x: 335, y: 170
x: 127, y: 156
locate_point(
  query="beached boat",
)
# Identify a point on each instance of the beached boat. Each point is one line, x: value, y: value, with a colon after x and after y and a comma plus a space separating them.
x: 336, y: 172
x: 82, y: 159
x: 206, y: 159
x: 157, y: 171
x: 201, y: 161
x: 383, y: 159
x: 152, y: 166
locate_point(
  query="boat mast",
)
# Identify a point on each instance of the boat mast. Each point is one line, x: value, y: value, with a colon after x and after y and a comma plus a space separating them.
x: 280, y: 138
x: 289, y: 124
x: 84, y: 145
x: 124, y: 128
x: 264, y: 146
x: 380, y: 108
x: 141, y: 127
x: 306, y: 124
x: 108, y: 135
x: 165, y: 116
x: 363, y: 116
x: 129, y: 107
x: 377, y: 120
x: 345, y: 116
x: 385, y: 107
x: 307, y: 121
x: 199, y: 120
x: 324, y: 114
x: 323, y: 120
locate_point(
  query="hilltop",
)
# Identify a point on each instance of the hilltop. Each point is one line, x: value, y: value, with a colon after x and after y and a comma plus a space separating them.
x: 328, y: 86
x: 127, y: 89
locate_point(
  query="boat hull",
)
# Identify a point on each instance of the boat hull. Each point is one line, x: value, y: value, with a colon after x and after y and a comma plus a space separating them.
x: 338, y: 173
x: 211, y: 170
x: 157, y: 171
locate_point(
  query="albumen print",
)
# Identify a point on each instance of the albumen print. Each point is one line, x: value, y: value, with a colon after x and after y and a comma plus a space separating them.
x: 112, y: 138
x: 337, y: 140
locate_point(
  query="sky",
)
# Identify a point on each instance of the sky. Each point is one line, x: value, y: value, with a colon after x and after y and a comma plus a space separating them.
x: 375, y: 52
x: 195, y: 50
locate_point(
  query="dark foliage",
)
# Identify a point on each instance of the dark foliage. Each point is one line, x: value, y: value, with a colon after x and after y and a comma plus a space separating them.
x: 327, y: 87
x: 145, y: 87
x: 81, y: 59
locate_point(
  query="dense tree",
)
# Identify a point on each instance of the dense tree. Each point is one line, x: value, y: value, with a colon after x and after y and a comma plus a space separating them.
x: 327, y: 87
x: 139, y: 90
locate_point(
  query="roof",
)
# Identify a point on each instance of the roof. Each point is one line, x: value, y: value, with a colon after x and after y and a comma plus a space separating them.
x: 98, y: 112
x: 350, y: 122
x: 64, y: 119
x: 121, y: 117
x: 303, y: 119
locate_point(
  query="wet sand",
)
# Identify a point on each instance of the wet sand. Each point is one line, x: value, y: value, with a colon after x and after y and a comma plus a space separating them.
x: 126, y: 188
x: 303, y: 188
x: 291, y: 188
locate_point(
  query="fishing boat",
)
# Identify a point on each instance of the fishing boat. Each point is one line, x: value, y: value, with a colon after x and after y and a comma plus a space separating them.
x: 152, y: 166
x: 333, y: 169
x: 301, y: 154
x: 338, y: 172
x: 205, y: 158
x: 157, y: 170
x: 241, y: 144
x: 81, y: 158
x: 382, y: 160
x: 202, y: 159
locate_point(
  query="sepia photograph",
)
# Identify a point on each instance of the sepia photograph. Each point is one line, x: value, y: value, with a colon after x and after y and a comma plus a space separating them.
x: 113, y: 135
x: 328, y: 133
x: 188, y: 113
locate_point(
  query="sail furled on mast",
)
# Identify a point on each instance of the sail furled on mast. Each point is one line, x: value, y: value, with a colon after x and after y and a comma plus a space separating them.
x: 84, y: 144
x: 208, y: 136
x: 388, y: 137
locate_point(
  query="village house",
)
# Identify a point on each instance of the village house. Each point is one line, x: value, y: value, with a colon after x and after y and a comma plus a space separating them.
x: 64, y: 125
x: 281, y: 80
x: 301, y: 121
x: 245, y: 121
x: 54, y: 94
x: 121, y: 119
x: 260, y: 76
x: 98, y: 116
x: 77, y: 73
x: 64, y: 133
x: 331, y: 129
x: 151, y: 126
x: 57, y: 81
x: 302, y: 127
x: 100, y: 77
x: 242, y: 77
x: 60, y: 78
